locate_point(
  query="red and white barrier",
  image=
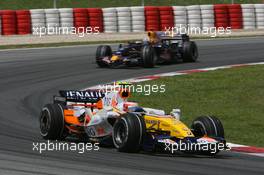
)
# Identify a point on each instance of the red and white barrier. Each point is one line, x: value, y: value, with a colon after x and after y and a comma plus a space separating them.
x: 259, y: 8
x: 180, y: 16
x: 110, y: 20
x: 9, y: 22
x: 0, y: 25
x: 221, y: 15
x: 249, y: 17
x: 250, y: 150
x: 38, y: 20
x: 194, y: 16
x: 207, y: 15
x: 152, y: 18
x: 166, y: 17
x: 235, y: 16
x: 66, y: 18
x: 52, y: 19
x: 23, y: 22
x: 96, y: 19
x: 81, y: 20
x: 138, y: 19
x: 124, y: 19
x: 134, y: 19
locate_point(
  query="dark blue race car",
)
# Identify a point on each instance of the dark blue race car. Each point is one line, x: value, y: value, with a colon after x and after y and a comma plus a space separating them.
x: 158, y: 48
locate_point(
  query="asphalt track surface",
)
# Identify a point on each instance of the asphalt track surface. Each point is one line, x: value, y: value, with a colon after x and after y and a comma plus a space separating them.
x: 29, y: 79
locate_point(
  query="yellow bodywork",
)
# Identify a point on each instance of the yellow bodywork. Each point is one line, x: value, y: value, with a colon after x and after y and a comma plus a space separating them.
x: 167, y: 123
x: 115, y: 58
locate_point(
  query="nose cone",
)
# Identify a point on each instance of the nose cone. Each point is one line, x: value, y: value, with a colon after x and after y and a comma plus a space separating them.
x: 168, y: 123
x: 179, y: 129
x: 114, y: 58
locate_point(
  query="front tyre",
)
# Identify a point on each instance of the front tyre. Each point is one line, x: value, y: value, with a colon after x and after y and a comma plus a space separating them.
x: 52, y: 122
x: 101, y: 52
x: 128, y: 133
x: 208, y: 125
x: 148, y: 56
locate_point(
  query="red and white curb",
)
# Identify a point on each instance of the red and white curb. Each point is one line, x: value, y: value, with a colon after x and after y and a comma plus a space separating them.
x: 176, y: 73
x: 251, y: 150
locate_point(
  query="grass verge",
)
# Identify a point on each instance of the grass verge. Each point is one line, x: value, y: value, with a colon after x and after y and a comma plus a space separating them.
x: 236, y: 96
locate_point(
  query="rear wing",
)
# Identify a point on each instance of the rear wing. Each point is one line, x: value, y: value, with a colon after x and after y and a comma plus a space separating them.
x: 155, y: 37
x: 183, y: 37
x: 87, y: 96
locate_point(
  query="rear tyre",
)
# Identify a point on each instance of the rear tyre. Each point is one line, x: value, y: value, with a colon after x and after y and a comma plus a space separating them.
x: 174, y: 49
x: 52, y: 122
x: 101, y: 52
x: 208, y: 125
x: 128, y: 133
x: 190, y: 51
x: 148, y: 56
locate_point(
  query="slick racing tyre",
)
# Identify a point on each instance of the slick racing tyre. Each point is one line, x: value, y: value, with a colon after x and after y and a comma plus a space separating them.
x: 52, y: 122
x: 207, y: 125
x: 190, y: 51
x: 101, y: 52
x: 148, y: 56
x: 128, y: 133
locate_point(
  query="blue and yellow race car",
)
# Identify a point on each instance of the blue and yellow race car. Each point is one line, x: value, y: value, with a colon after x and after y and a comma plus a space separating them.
x: 110, y: 117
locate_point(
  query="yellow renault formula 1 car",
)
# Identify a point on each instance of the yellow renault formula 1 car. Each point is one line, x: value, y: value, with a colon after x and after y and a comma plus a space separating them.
x: 109, y: 117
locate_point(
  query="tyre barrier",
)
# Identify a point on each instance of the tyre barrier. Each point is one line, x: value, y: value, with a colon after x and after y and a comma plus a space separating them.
x: 0, y: 25
x: 180, y: 16
x: 152, y: 20
x: 207, y: 15
x: 81, y: 19
x: 38, y: 21
x: 249, y: 17
x: 66, y: 19
x: 194, y: 16
x: 96, y: 19
x: 235, y: 16
x: 133, y: 19
x: 138, y: 19
x: 110, y: 20
x: 23, y: 20
x: 124, y: 19
x: 52, y: 20
x: 259, y: 8
x: 221, y: 15
x: 8, y: 22
x: 166, y: 17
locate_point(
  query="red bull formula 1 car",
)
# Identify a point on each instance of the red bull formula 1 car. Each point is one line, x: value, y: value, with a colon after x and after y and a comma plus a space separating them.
x: 158, y: 48
x: 109, y: 116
